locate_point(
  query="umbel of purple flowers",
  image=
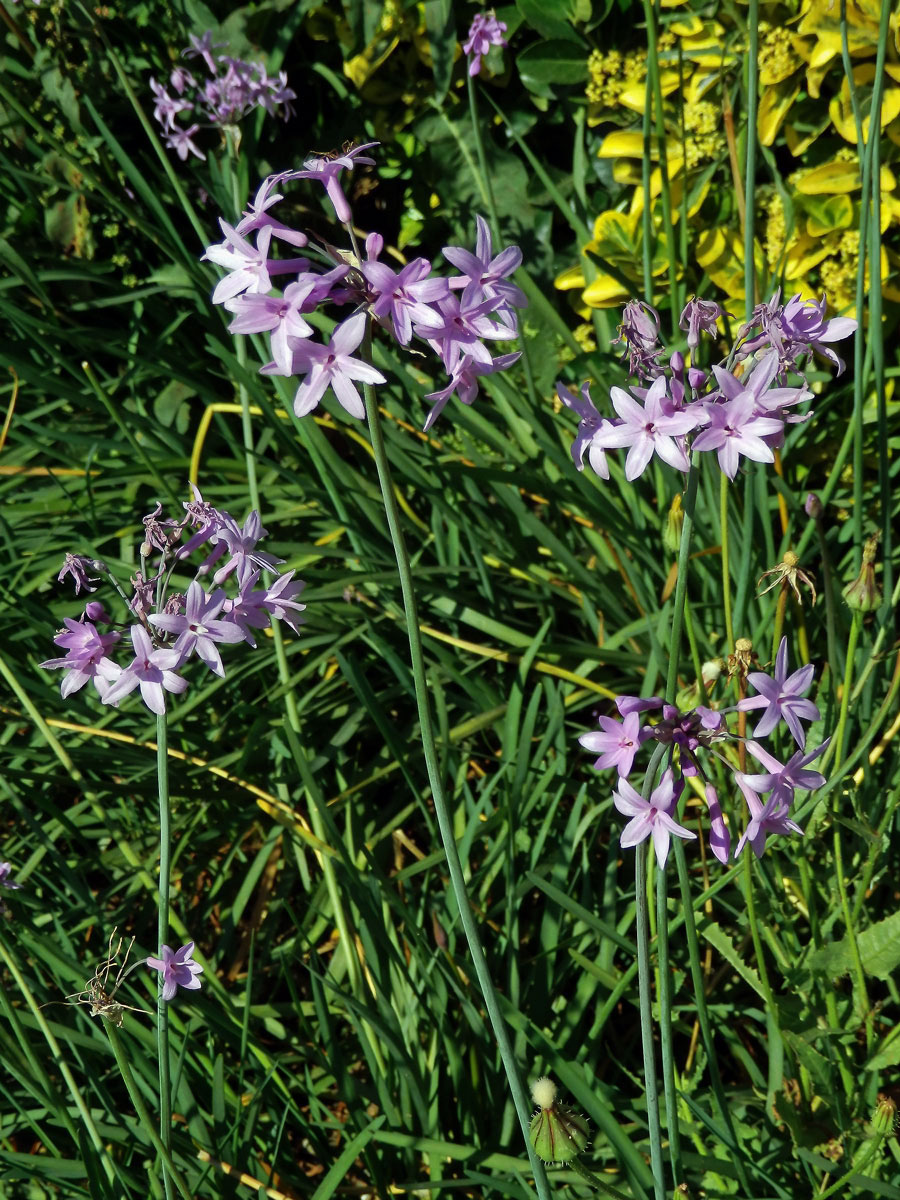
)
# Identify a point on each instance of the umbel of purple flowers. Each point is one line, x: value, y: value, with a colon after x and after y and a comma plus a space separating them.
x: 454, y: 317
x: 232, y: 89
x: 167, y: 628
x: 737, y: 410
x: 699, y: 735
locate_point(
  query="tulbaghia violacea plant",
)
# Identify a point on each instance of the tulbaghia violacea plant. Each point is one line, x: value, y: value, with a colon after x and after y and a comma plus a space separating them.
x: 455, y: 316
x: 737, y: 409
x: 697, y: 737
x: 167, y: 628
x: 232, y: 89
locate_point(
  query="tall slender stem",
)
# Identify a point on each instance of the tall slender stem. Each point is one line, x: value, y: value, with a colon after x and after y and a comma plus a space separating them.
x: 651, y: 1091
x: 726, y: 570
x: 442, y: 812
x: 162, y: 1014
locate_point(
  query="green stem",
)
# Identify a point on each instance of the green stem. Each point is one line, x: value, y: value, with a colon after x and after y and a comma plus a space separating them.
x: 162, y: 1012
x: 684, y: 551
x: 752, y: 62
x: 442, y: 812
x: 661, y: 142
x: 642, y: 937
x: 595, y: 1181
x: 666, y: 1023
x: 726, y: 572
x: 162, y: 1148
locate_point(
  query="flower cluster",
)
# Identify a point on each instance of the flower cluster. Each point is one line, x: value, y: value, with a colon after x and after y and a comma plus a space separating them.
x: 484, y: 32
x: 232, y: 89
x: 736, y: 413
x: 702, y: 733
x: 454, y: 316
x: 169, y: 628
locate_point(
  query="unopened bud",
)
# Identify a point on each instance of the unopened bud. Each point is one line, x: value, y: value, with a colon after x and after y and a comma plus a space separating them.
x: 674, y: 523
x: 863, y: 594
x: 885, y: 1117
x: 813, y: 506
x: 557, y: 1133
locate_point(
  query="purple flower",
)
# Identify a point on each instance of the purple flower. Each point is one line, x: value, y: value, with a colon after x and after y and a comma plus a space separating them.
x: 241, y: 544
x: 280, y: 315
x: 405, y: 296
x: 699, y: 316
x: 589, y: 424
x: 650, y: 818
x: 331, y: 366
x: 197, y: 630
x: 795, y: 329
x: 464, y: 382
x: 149, y: 671
x: 280, y: 600
x: 328, y: 170
x: 647, y: 429
x: 257, y: 215
x: 86, y: 658
x: 177, y: 969
x: 203, y: 47
x: 640, y: 332
x: 488, y: 273
x: 5, y: 880
x: 464, y: 322
x: 179, y: 140
x: 785, y: 777
x: 617, y: 744
x: 250, y: 270
x: 735, y: 429
x: 77, y: 566
x: 771, y: 817
x: 484, y: 32
x: 719, y: 837
x: 781, y: 697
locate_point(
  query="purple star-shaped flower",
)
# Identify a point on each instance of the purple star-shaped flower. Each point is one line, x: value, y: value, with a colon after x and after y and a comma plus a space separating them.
x: 735, y: 429
x: 781, y: 697
x: 405, y: 296
x: 771, y: 817
x: 617, y: 744
x: 488, y: 272
x: 589, y: 424
x: 87, y: 651
x: 784, y: 778
x: 650, y: 818
x: 647, y: 429
x: 181, y: 141
x: 178, y: 969
x: 328, y: 170
x: 197, y: 630
x: 5, y: 880
x: 464, y: 382
x: 149, y: 671
x: 331, y: 366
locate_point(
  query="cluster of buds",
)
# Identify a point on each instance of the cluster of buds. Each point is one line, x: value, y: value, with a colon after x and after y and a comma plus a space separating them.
x: 702, y: 733
x: 733, y: 411
x: 232, y: 89
x: 168, y: 628
x: 453, y: 316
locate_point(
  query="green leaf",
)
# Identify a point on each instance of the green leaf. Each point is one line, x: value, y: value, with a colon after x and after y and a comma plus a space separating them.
x: 721, y: 941
x: 441, y: 30
x: 879, y: 949
x: 553, y: 62
x: 546, y: 17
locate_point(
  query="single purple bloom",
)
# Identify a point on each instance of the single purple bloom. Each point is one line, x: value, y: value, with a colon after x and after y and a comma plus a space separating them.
x: 781, y: 697
x: 331, y: 366
x: 196, y: 630
x: 256, y: 216
x: 650, y: 818
x: 771, y: 817
x: 179, y: 140
x: 785, y: 777
x: 177, y: 969
x: 149, y: 671
x: 203, y: 47
x: 734, y: 429
x: 246, y: 610
x: 464, y: 322
x: 328, y: 170
x: 484, y: 32
x: 647, y: 429
x: 280, y: 600
x: 617, y: 744
x: 86, y: 658
x: 639, y: 331
x: 487, y: 272
x: 249, y: 266
x: 279, y: 315
x: 406, y: 296
x: 464, y: 382
x: 166, y: 107
x: 719, y: 837
x: 699, y: 316
x: 77, y: 566
x: 5, y: 880
x: 241, y: 544
x: 590, y: 422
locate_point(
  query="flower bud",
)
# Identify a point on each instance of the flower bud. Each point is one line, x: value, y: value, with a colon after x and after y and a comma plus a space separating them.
x: 885, y: 1117
x: 863, y: 594
x: 813, y: 506
x: 557, y: 1133
x: 674, y: 523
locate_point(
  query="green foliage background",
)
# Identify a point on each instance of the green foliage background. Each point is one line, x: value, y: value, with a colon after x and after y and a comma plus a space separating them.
x: 339, y: 1041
